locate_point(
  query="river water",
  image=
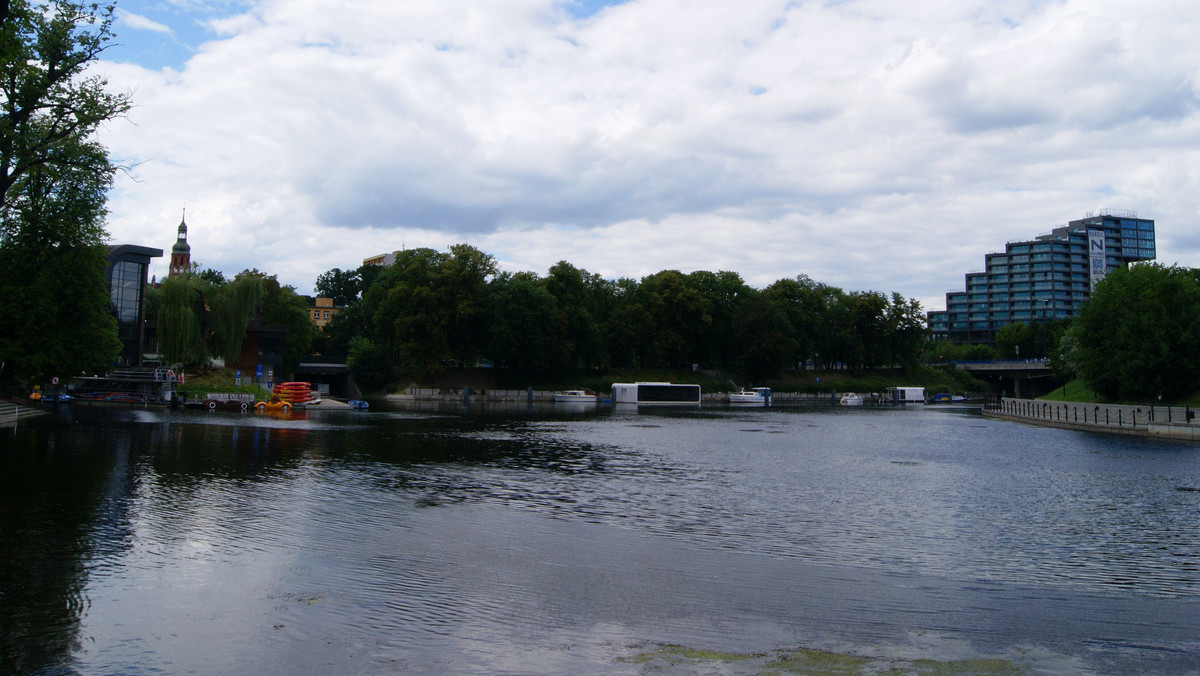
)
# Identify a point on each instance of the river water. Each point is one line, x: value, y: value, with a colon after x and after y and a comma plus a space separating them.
x: 590, y: 541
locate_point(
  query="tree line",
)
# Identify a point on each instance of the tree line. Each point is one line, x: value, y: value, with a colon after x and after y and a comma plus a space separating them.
x: 201, y: 316
x: 431, y: 309
x: 54, y: 179
x: 1136, y: 338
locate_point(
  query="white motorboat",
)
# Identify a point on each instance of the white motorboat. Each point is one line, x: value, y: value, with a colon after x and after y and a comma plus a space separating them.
x: 574, y: 397
x: 851, y: 399
x: 757, y: 396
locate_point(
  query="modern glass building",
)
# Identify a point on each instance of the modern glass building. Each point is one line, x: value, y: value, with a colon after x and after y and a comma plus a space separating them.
x: 1043, y: 278
x: 127, y: 268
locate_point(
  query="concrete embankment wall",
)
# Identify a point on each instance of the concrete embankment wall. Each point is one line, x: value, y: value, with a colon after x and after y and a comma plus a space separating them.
x: 435, y: 394
x: 1170, y: 422
x: 429, y: 394
x: 10, y: 413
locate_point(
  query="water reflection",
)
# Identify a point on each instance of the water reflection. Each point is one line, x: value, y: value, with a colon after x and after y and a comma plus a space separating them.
x: 54, y: 494
x: 558, y: 540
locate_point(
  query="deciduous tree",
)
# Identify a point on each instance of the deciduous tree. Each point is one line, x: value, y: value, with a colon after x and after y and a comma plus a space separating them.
x: 1136, y: 336
x: 53, y: 180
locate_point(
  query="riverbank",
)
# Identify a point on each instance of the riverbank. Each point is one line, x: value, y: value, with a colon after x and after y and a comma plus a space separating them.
x: 807, y: 381
x: 11, y: 412
x: 1166, y: 422
x: 469, y: 395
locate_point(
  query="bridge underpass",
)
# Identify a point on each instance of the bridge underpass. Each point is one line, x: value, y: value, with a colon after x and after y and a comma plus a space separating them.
x: 335, y: 378
x: 1015, y: 378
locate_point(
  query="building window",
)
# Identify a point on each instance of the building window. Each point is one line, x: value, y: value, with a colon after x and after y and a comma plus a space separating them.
x: 125, y: 290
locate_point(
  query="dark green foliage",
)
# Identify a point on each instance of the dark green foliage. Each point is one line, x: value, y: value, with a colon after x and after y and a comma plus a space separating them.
x: 231, y: 307
x: 905, y: 331
x: 53, y: 183
x: 765, y: 337
x: 350, y: 322
x: 581, y: 302
x: 199, y: 320
x: 65, y: 327
x: 1014, y: 340
x: 341, y: 286
x: 183, y: 320
x: 1136, y: 338
x: 211, y: 276
x: 430, y: 310
x: 53, y: 267
x: 521, y: 328
x: 47, y: 103
x: 936, y: 352
x: 282, y: 307
x: 369, y: 363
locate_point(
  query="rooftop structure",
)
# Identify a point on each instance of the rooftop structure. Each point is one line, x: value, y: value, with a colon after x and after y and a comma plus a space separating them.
x: 1044, y: 278
x: 383, y: 259
x: 181, y: 252
x: 322, y: 311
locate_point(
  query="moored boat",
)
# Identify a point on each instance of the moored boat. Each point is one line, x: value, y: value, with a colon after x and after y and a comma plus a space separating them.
x: 851, y: 399
x: 656, y: 394
x: 906, y: 395
x: 755, y: 396
x: 574, y: 397
x: 274, y: 404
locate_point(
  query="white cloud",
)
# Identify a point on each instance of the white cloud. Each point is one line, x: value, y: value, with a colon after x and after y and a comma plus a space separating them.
x: 867, y: 144
x: 139, y: 22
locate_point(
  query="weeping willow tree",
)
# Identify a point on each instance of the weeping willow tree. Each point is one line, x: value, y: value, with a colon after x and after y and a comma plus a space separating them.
x: 182, y: 320
x: 231, y: 307
x: 198, y: 320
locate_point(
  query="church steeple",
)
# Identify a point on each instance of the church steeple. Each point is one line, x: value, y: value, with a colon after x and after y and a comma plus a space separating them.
x: 181, y: 253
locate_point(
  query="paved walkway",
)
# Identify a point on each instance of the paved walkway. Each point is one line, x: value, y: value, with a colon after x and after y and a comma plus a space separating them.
x: 1173, y: 422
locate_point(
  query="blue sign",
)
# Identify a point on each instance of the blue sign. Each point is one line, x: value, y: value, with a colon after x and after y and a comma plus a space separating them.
x: 258, y: 373
x: 237, y: 373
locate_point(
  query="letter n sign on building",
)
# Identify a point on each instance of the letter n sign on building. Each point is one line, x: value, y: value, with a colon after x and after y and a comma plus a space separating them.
x: 1099, y: 266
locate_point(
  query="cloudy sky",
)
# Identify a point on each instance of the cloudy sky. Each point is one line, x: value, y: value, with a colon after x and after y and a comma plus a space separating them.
x: 869, y: 144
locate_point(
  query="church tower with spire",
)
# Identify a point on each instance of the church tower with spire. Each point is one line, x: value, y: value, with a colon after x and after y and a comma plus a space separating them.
x: 181, y: 253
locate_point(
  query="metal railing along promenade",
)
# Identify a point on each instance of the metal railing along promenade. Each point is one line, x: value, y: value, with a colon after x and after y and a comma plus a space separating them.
x: 9, y: 414
x: 1170, y: 421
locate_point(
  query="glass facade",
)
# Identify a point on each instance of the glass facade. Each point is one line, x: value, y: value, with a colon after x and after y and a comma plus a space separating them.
x: 126, y: 290
x: 127, y: 268
x: 1042, y: 279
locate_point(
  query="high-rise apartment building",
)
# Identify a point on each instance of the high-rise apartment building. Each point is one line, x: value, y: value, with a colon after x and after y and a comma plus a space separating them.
x: 1043, y: 278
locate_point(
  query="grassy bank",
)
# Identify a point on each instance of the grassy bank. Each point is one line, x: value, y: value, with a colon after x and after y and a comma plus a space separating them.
x: 1077, y: 391
x: 215, y: 380
x: 932, y: 378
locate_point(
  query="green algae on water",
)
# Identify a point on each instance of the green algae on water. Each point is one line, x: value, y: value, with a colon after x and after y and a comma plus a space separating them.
x: 671, y: 658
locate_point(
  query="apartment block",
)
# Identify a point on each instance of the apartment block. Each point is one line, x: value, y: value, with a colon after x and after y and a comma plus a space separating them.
x: 1044, y: 278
